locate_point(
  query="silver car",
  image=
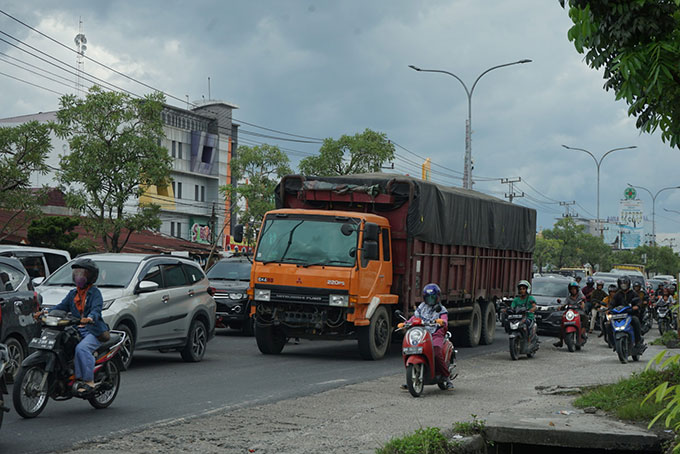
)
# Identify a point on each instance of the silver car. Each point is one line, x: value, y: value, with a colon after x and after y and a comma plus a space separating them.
x: 162, y: 302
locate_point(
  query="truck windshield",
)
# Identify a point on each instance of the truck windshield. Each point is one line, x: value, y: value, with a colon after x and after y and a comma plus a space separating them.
x: 307, y: 242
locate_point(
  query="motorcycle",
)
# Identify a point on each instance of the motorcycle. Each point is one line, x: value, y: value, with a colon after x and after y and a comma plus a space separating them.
x: 502, y: 313
x: 418, y: 353
x: 573, y: 333
x: 49, y: 370
x: 665, y: 317
x: 4, y: 364
x: 646, y: 320
x: 624, y: 335
x: 521, y: 340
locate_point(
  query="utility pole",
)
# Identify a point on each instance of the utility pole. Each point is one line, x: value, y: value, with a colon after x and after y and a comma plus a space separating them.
x: 566, y: 206
x: 511, y: 194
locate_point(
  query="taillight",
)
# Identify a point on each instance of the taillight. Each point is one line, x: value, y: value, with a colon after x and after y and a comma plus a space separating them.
x: 211, y: 291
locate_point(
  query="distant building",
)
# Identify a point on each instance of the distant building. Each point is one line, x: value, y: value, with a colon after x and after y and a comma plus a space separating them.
x: 200, y: 141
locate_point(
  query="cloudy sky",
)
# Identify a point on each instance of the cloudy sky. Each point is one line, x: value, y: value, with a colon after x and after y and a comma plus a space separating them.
x: 327, y: 68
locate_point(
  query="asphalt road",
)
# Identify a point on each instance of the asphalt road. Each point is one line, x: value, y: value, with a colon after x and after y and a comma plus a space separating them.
x: 233, y: 374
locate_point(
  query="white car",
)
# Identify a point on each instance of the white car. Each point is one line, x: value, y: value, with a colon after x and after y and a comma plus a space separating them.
x: 162, y: 302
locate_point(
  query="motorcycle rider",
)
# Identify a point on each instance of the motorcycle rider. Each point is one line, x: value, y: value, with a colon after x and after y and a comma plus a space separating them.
x: 625, y: 296
x: 525, y: 300
x: 587, y: 290
x: 596, y: 299
x: 431, y: 310
x: 85, y: 302
x: 608, y: 302
x: 575, y: 298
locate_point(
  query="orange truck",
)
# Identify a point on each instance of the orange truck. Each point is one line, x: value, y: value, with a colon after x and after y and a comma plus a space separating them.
x: 340, y: 254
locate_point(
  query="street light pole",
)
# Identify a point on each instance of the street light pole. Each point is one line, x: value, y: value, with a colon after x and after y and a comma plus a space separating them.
x: 653, y: 196
x: 598, y: 163
x: 467, y: 174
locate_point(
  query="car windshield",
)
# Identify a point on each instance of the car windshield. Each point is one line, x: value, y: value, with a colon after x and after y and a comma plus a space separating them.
x: 111, y: 274
x: 549, y: 288
x: 230, y: 271
x: 307, y: 241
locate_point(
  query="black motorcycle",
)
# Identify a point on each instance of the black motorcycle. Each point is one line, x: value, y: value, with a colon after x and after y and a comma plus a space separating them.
x: 665, y: 317
x: 4, y: 365
x: 49, y: 370
x: 521, y: 340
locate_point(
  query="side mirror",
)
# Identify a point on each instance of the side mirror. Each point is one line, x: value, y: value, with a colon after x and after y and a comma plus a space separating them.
x: 147, y: 287
x: 371, y: 251
x: 347, y: 229
x: 238, y: 233
x: 371, y: 231
x: 37, y: 280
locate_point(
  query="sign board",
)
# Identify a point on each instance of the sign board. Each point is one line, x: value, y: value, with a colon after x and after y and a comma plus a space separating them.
x: 631, y: 221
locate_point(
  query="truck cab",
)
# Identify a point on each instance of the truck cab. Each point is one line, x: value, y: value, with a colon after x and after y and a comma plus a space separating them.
x: 323, y: 274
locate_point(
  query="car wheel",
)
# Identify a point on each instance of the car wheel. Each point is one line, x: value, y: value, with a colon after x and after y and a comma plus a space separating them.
x: 17, y: 353
x: 196, y: 342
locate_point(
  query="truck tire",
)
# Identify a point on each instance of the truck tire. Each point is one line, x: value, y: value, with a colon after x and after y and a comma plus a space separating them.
x: 488, y: 323
x: 374, y: 339
x: 468, y: 336
x: 270, y: 339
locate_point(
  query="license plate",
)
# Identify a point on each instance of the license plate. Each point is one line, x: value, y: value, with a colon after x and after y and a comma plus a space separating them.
x: 412, y: 350
x: 46, y: 341
x: 539, y: 317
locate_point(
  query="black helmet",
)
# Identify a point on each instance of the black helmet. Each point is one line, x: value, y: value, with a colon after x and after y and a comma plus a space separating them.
x: 90, y: 266
x: 623, y: 282
x: 612, y: 288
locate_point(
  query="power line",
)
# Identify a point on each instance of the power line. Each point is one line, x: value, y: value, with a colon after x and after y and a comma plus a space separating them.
x: 37, y: 74
x: 34, y: 66
x: 30, y: 83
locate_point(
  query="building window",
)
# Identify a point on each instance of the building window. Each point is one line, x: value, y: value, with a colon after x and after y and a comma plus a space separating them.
x: 172, y: 229
x: 179, y: 150
x: 202, y: 193
x: 173, y: 189
x: 196, y: 193
x: 206, y: 156
x: 179, y: 190
x: 179, y: 230
x: 174, y: 151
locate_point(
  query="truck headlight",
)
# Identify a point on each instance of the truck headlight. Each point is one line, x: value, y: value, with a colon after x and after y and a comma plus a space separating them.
x: 262, y: 295
x: 338, y: 300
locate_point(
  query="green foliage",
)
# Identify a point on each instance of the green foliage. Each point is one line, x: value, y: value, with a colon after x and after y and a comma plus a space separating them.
x: 53, y: 232
x: 669, y: 339
x: 23, y: 150
x: 637, y: 45
x: 360, y: 153
x: 115, y: 153
x: 467, y: 428
x: 546, y: 252
x: 568, y: 244
x: 625, y: 399
x: 424, y: 441
x: 261, y: 167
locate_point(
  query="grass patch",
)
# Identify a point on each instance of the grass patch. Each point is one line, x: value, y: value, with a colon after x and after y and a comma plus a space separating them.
x: 623, y: 399
x: 428, y: 440
x: 476, y: 426
x: 668, y: 339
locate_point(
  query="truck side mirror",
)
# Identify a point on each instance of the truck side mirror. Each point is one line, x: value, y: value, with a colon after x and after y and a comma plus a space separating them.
x: 238, y: 233
x: 371, y: 231
x: 370, y: 251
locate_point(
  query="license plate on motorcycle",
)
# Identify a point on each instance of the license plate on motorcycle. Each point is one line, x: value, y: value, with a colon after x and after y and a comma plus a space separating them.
x: 46, y: 341
x: 514, y: 317
x: 412, y: 350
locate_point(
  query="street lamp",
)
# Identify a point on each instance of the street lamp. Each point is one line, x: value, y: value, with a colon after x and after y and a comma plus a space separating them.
x: 654, y: 205
x: 467, y: 174
x: 598, y: 163
x: 672, y: 211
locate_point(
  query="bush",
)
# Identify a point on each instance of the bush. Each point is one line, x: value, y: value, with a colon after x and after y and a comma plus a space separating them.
x: 424, y: 441
x: 476, y: 426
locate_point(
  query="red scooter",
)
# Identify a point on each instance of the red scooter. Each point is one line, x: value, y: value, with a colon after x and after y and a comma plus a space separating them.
x: 418, y: 352
x: 573, y: 333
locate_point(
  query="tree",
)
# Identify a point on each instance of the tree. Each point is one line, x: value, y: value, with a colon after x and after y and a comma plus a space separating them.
x: 545, y: 252
x: 23, y: 150
x: 115, y: 153
x: 260, y: 168
x: 568, y: 234
x: 360, y: 153
x: 57, y: 232
x: 637, y: 44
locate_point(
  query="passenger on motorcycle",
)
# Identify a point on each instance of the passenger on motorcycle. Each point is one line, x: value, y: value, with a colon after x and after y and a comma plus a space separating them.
x: 596, y: 299
x: 588, y: 289
x: 85, y: 302
x: 431, y: 310
x: 575, y: 298
x: 525, y: 300
x: 625, y: 296
x: 608, y: 301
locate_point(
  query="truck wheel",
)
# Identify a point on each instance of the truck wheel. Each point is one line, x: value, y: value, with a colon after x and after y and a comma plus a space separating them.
x: 468, y: 336
x: 488, y: 323
x: 270, y: 339
x: 374, y: 339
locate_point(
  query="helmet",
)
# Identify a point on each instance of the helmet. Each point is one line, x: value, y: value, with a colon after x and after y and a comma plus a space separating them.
x: 573, y: 284
x: 431, y: 294
x: 637, y: 284
x: 599, y: 282
x: 612, y: 288
x: 623, y: 282
x: 590, y: 280
x: 90, y: 266
x: 526, y: 284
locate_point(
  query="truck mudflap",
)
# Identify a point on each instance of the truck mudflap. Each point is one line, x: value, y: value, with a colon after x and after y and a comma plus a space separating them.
x: 363, y: 312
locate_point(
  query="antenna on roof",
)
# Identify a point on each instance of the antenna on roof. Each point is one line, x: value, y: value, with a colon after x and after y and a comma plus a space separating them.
x: 209, y: 98
x: 81, y: 43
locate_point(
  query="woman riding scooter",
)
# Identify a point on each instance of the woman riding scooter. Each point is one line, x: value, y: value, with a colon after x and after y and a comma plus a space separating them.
x: 575, y: 298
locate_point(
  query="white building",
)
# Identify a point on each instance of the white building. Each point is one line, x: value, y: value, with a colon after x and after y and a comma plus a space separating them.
x: 200, y: 141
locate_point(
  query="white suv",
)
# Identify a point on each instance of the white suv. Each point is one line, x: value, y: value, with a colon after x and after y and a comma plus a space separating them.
x: 162, y: 302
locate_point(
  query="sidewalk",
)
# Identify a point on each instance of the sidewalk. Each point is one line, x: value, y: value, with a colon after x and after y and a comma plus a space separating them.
x: 360, y: 418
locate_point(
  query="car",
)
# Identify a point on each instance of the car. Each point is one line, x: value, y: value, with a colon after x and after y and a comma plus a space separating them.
x: 548, y: 291
x: 230, y: 278
x: 666, y: 277
x: 162, y: 302
x: 608, y: 278
x: 39, y: 262
x: 18, y: 302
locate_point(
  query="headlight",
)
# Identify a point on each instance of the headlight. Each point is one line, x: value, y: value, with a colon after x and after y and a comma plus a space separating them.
x: 338, y: 300
x: 570, y: 315
x: 609, y: 316
x: 415, y: 336
x: 52, y: 321
x: 262, y: 295
x: 107, y: 304
x: 237, y: 296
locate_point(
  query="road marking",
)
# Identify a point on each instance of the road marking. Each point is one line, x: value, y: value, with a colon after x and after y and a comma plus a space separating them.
x: 329, y: 382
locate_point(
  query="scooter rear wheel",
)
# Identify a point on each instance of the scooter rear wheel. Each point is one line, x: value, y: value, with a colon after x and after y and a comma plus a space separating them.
x: 28, y: 398
x: 415, y: 379
x: 104, y: 396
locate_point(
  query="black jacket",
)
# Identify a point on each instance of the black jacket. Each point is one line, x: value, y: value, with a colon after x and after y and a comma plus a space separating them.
x: 628, y: 298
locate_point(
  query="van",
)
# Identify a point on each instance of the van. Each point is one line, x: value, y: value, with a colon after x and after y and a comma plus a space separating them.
x: 40, y: 262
